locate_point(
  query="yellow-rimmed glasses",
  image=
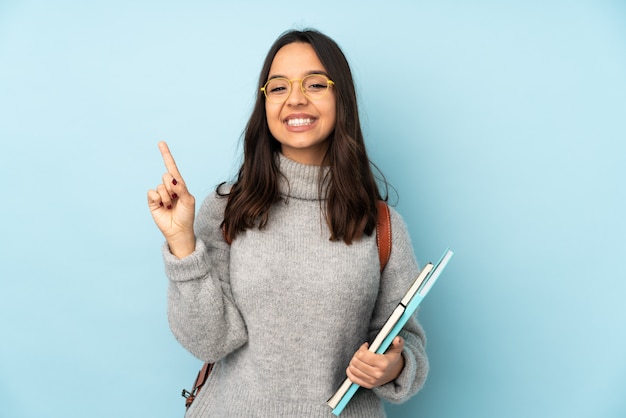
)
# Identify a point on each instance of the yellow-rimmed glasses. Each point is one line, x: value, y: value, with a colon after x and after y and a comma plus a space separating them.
x: 313, y: 86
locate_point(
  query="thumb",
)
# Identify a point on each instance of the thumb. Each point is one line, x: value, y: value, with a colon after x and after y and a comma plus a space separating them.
x: 397, y: 345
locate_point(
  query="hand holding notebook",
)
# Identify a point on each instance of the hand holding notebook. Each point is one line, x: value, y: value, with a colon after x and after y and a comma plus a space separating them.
x: 394, y: 324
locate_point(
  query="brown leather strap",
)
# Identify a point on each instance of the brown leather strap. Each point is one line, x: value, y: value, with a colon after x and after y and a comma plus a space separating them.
x: 203, y: 374
x: 225, y: 235
x: 383, y: 233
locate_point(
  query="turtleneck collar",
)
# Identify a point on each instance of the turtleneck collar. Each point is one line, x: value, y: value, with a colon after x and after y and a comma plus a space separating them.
x: 302, y: 181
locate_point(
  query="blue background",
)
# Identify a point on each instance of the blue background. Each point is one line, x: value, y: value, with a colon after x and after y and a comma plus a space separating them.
x: 502, y: 125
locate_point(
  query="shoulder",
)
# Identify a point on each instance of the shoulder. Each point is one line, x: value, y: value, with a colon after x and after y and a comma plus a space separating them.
x: 398, y: 223
x: 399, y: 228
x: 214, y: 203
x: 211, y: 215
x: 402, y: 252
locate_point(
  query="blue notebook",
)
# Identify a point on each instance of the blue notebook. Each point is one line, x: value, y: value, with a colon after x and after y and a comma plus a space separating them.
x: 399, y: 317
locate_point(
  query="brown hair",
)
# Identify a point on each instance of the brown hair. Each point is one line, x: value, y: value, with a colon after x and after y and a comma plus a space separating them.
x: 352, y: 191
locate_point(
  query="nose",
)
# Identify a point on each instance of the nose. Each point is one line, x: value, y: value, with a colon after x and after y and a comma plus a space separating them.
x: 296, y: 96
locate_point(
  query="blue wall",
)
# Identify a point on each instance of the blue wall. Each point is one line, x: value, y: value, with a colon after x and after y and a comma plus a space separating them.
x: 503, y: 128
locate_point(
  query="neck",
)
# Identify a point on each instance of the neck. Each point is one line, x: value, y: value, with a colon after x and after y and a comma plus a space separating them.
x: 306, y: 156
x: 301, y: 180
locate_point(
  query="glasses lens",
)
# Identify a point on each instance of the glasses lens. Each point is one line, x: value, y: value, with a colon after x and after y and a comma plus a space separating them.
x: 315, y: 86
x: 277, y: 89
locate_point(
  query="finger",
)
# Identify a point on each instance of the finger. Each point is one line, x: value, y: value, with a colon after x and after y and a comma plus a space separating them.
x: 168, y: 159
x: 164, y: 196
x: 154, y: 200
x: 397, y: 345
x: 178, y: 190
x: 169, y: 182
x: 366, y: 356
x: 366, y: 361
x: 362, y: 369
x: 360, y: 378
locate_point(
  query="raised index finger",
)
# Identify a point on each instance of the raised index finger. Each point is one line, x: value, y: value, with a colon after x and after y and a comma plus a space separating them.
x: 170, y: 164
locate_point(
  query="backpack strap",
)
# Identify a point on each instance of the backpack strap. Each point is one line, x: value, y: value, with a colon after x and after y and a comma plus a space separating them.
x: 383, y: 233
x: 225, y: 235
x: 203, y: 374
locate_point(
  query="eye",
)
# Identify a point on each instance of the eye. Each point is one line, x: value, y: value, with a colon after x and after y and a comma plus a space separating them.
x: 315, y: 83
x: 277, y: 86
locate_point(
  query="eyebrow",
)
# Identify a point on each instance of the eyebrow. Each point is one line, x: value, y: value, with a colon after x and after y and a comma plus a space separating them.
x: 309, y: 73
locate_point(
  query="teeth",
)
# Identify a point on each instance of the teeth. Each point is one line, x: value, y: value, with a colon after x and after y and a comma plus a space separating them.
x: 299, y: 122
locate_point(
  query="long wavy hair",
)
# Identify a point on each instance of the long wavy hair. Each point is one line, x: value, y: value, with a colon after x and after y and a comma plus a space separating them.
x: 351, y: 191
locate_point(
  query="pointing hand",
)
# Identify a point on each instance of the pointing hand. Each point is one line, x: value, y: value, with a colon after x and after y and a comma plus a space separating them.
x: 173, y: 207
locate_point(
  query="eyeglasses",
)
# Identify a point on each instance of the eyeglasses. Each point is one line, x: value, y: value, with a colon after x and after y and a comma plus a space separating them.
x: 313, y: 86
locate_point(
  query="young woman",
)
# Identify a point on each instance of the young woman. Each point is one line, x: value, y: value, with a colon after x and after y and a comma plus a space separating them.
x: 277, y: 279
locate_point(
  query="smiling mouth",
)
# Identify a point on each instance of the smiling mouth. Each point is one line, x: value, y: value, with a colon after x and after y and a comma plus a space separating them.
x: 299, y: 122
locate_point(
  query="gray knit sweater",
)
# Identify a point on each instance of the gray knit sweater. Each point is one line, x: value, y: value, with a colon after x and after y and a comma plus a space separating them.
x: 283, y: 309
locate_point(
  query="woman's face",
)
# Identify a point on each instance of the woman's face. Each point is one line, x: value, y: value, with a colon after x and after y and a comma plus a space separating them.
x: 301, y: 125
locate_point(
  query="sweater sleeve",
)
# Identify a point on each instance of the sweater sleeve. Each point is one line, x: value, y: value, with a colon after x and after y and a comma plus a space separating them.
x: 201, y: 311
x: 398, y: 275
